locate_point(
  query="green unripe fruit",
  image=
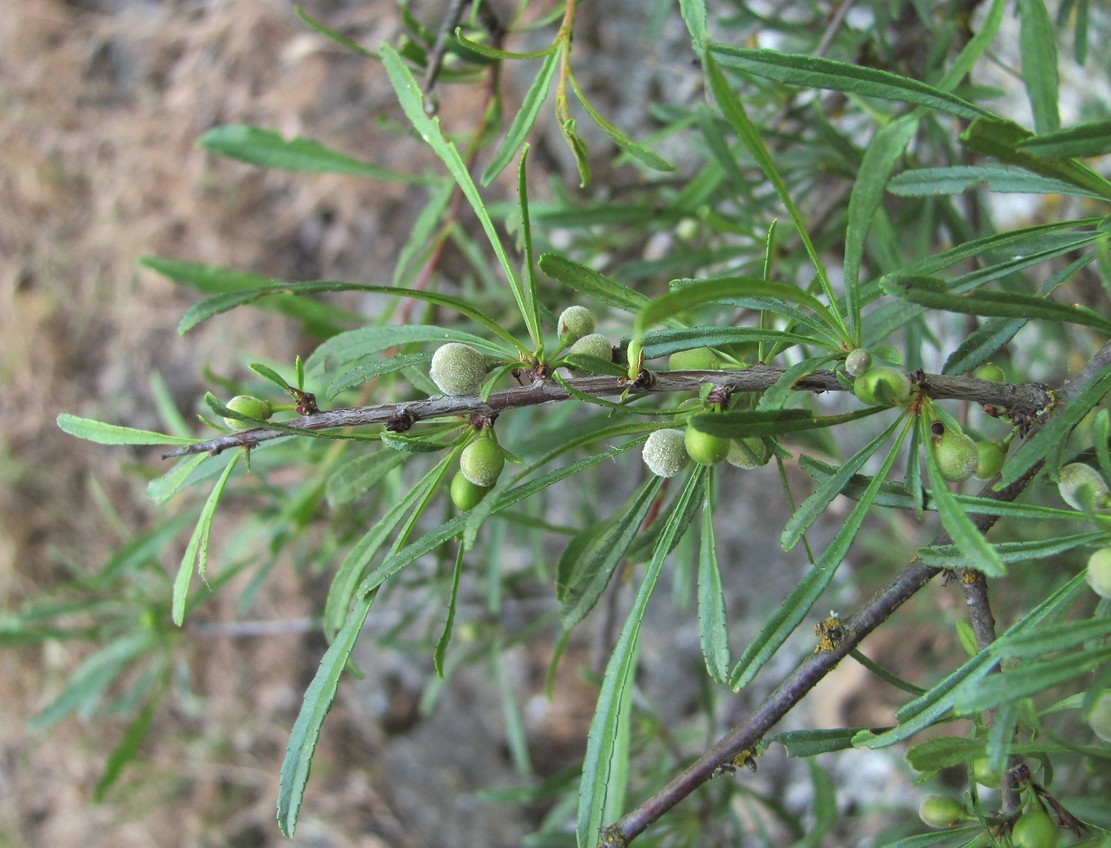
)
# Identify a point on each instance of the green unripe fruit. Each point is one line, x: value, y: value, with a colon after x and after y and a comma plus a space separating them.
x: 956, y: 455
x: 991, y: 458
x: 457, y: 369
x: 747, y: 453
x: 882, y: 386
x: 698, y: 359
x: 481, y: 462
x: 465, y: 494
x: 858, y: 361
x: 991, y: 372
x: 1082, y: 487
x: 1099, y: 572
x: 251, y: 407
x: 1035, y: 829
x: 594, y: 344
x: 941, y: 811
x: 664, y: 453
x: 983, y: 774
x: 1100, y: 717
x: 704, y: 448
x: 574, y: 323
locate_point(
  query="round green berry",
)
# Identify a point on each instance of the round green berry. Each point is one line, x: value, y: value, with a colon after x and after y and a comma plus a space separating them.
x: 574, y: 323
x: 1034, y: 829
x: 696, y: 359
x: 250, y: 407
x: 457, y: 369
x: 941, y: 811
x: 1082, y: 487
x: 464, y: 493
x: 1100, y: 717
x: 704, y: 448
x: 482, y: 462
x: 858, y: 361
x: 1098, y: 572
x: 983, y: 773
x: 991, y: 457
x: 991, y: 372
x: 956, y: 455
x: 882, y: 386
x: 664, y: 453
x: 747, y: 453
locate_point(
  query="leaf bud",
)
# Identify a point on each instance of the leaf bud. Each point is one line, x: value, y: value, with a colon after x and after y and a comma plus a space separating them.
x: 251, y: 407
x: 882, y: 386
x: 574, y: 323
x: 664, y: 453
x: 1082, y: 487
x: 482, y: 462
x: 457, y: 369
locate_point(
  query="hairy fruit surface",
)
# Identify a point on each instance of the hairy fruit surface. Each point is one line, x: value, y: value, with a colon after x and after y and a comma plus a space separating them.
x: 749, y: 452
x: 664, y: 453
x: 858, y: 361
x: 882, y: 386
x: 1082, y: 487
x: 251, y: 407
x: 704, y: 448
x: 482, y: 462
x: 457, y: 369
x: 941, y: 811
x: 956, y: 455
x: 465, y: 494
x: 1034, y: 829
x: 574, y: 323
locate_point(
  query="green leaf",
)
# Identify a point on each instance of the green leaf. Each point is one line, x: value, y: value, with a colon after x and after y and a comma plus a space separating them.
x: 445, y: 634
x: 266, y: 148
x: 359, y: 475
x: 739, y: 423
x: 585, y: 570
x: 976, y: 550
x: 810, y: 743
x: 524, y: 120
x: 161, y: 489
x: 640, y: 154
x: 333, y: 35
x: 1030, y: 679
x: 738, y: 118
x: 533, y: 319
x: 114, y: 434
x: 366, y: 370
x: 412, y: 103
x: 1088, y: 139
x: 1052, y: 638
x: 937, y: 754
x: 125, y: 751
x: 201, y: 312
x: 815, y: 505
x: 784, y: 620
x: 1002, y: 140
x: 884, y: 151
x: 604, y: 730
x: 1037, y: 46
x: 196, y: 553
x: 951, y: 557
x: 658, y: 343
x: 816, y: 72
x: 314, y: 708
x: 934, y: 294
x: 925, y: 182
x: 270, y: 374
x: 356, y: 351
x: 497, y: 53
x: 694, y: 16
x: 591, y: 283
x: 712, y: 629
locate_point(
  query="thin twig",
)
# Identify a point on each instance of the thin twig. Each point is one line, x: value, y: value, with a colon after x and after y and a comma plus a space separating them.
x: 1030, y: 399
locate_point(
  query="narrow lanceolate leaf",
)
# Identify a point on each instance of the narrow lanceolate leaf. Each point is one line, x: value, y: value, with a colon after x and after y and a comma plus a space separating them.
x: 934, y: 294
x: 1037, y: 46
x: 590, y: 282
x: 712, y: 630
x: 196, y: 553
x: 694, y: 16
x: 740, y: 423
x: 524, y: 119
x: 584, y: 572
x: 1003, y: 140
x: 951, y: 557
x: 604, y: 730
x: 1029, y: 679
x: 641, y: 154
x: 790, y: 614
x: 816, y: 504
x: 816, y: 72
x: 1090, y: 139
x: 314, y: 708
x: 925, y: 182
x: 412, y: 103
x: 976, y: 550
x: 114, y: 434
x: 258, y: 146
x: 445, y: 635
x: 734, y: 111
